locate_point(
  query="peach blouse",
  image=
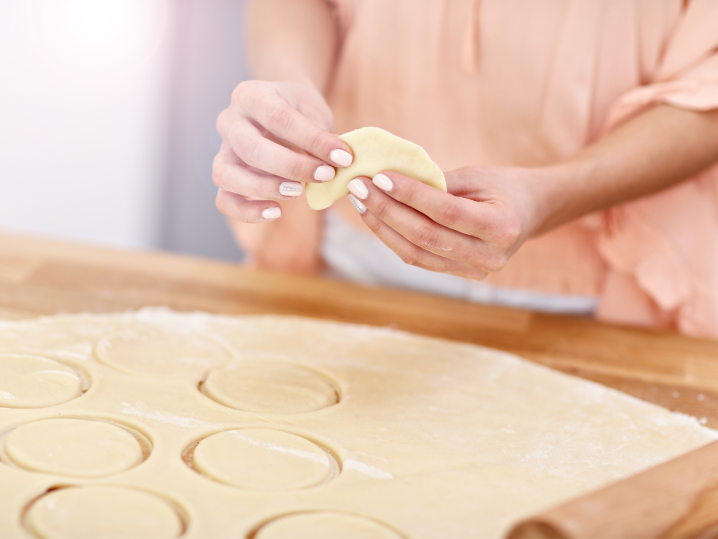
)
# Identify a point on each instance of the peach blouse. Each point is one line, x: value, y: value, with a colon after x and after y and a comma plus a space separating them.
x: 528, y: 83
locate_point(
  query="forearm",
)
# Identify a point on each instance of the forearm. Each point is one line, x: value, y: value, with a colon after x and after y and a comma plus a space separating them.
x: 291, y: 41
x: 655, y: 150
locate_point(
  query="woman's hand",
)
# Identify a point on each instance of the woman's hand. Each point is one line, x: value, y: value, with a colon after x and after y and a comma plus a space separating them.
x: 275, y: 137
x: 470, y: 231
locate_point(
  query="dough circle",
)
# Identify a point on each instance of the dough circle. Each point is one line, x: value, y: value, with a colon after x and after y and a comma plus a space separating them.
x: 36, y: 382
x: 154, y: 351
x: 270, y: 386
x: 375, y: 150
x: 325, y: 525
x: 73, y: 447
x: 103, y: 511
x: 262, y: 459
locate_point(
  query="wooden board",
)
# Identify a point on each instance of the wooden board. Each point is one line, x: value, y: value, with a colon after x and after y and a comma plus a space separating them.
x: 44, y: 277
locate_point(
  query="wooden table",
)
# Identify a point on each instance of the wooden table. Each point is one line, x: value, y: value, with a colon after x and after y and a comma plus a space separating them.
x: 40, y: 277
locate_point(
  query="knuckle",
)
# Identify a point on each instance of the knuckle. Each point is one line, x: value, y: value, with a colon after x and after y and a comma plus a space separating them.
x: 219, y: 176
x: 409, y: 257
x: 222, y: 122
x: 380, y: 207
x: 249, y: 150
x: 279, y: 120
x: 424, y: 236
x: 510, y: 232
x: 295, y: 170
x: 243, y: 90
x: 221, y: 202
x: 494, y: 263
x: 447, y: 213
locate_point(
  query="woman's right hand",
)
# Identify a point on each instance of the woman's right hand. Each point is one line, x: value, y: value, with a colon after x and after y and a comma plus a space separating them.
x: 255, y: 165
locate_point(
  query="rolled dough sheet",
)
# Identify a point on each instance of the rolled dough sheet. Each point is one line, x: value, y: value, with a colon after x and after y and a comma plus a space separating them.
x: 375, y: 150
x: 403, y: 435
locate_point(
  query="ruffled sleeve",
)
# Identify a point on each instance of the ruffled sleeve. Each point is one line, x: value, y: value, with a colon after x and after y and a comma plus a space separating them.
x: 662, y: 250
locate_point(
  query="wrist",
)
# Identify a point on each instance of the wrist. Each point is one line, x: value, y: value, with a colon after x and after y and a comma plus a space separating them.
x: 561, y: 194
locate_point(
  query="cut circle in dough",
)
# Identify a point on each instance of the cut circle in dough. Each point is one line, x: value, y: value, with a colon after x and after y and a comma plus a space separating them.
x: 36, y: 382
x: 270, y: 386
x: 263, y: 459
x: 73, y: 447
x: 324, y: 525
x: 103, y: 511
x: 155, y: 351
x: 375, y: 150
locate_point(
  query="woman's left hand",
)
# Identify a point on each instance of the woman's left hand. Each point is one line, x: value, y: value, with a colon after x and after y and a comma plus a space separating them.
x: 470, y: 231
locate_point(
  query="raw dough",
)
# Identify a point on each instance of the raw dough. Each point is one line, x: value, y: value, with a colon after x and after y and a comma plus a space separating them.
x: 36, y: 382
x: 262, y: 459
x: 431, y: 438
x: 270, y: 386
x: 325, y: 525
x: 152, y: 350
x: 74, y: 447
x: 375, y: 150
x: 103, y: 511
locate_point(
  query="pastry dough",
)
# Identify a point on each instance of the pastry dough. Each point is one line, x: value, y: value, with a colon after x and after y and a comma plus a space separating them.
x: 74, y: 447
x: 270, y: 386
x: 116, y: 513
x: 325, y: 525
x: 375, y: 150
x: 423, y: 437
x: 262, y: 459
x: 36, y: 382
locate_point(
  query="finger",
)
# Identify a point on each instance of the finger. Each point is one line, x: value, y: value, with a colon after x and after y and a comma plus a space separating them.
x: 252, y: 147
x: 230, y: 174
x: 426, y: 233
x: 461, y: 214
x: 239, y: 208
x: 416, y: 256
x: 273, y: 112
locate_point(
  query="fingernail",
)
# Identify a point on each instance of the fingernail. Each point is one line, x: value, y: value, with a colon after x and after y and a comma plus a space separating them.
x: 382, y: 182
x: 341, y: 158
x: 324, y: 173
x: 361, y: 208
x: 290, y: 189
x: 270, y: 214
x: 358, y: 189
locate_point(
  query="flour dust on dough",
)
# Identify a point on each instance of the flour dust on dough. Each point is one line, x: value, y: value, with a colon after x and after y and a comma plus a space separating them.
x: 262, y: 459
x: 36, y: 382
x: 108, y: 512
x: 424, y: 438
x: 375, y: 150
x: 73, y: 447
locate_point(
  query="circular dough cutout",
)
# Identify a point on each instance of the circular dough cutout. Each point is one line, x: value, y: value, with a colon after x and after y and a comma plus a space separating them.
x: 36, y: 382
x: 155, y: 351
x: 73, y: 447
x: 324, y: 525
x: 102, y: 511
x: 270, y: 386
x: 262, y: 459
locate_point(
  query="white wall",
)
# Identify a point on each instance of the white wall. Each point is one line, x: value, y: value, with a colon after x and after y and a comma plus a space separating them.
x: 82, y: 119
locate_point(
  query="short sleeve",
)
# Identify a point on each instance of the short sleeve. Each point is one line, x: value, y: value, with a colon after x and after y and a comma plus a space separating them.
x: 662, y: 250
x: 687, y: 75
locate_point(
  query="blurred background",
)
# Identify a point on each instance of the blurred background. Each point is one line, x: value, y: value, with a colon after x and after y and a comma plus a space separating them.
x: 107, y: 120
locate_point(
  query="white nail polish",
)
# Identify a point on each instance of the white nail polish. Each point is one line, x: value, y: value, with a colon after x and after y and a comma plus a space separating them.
x: 341, y: 158
x: 361, y: 208
x: 383, y: 182
x: 324, y: 173
x: 358, y: 189
x: 270, y: 214
x: 290, y: 189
